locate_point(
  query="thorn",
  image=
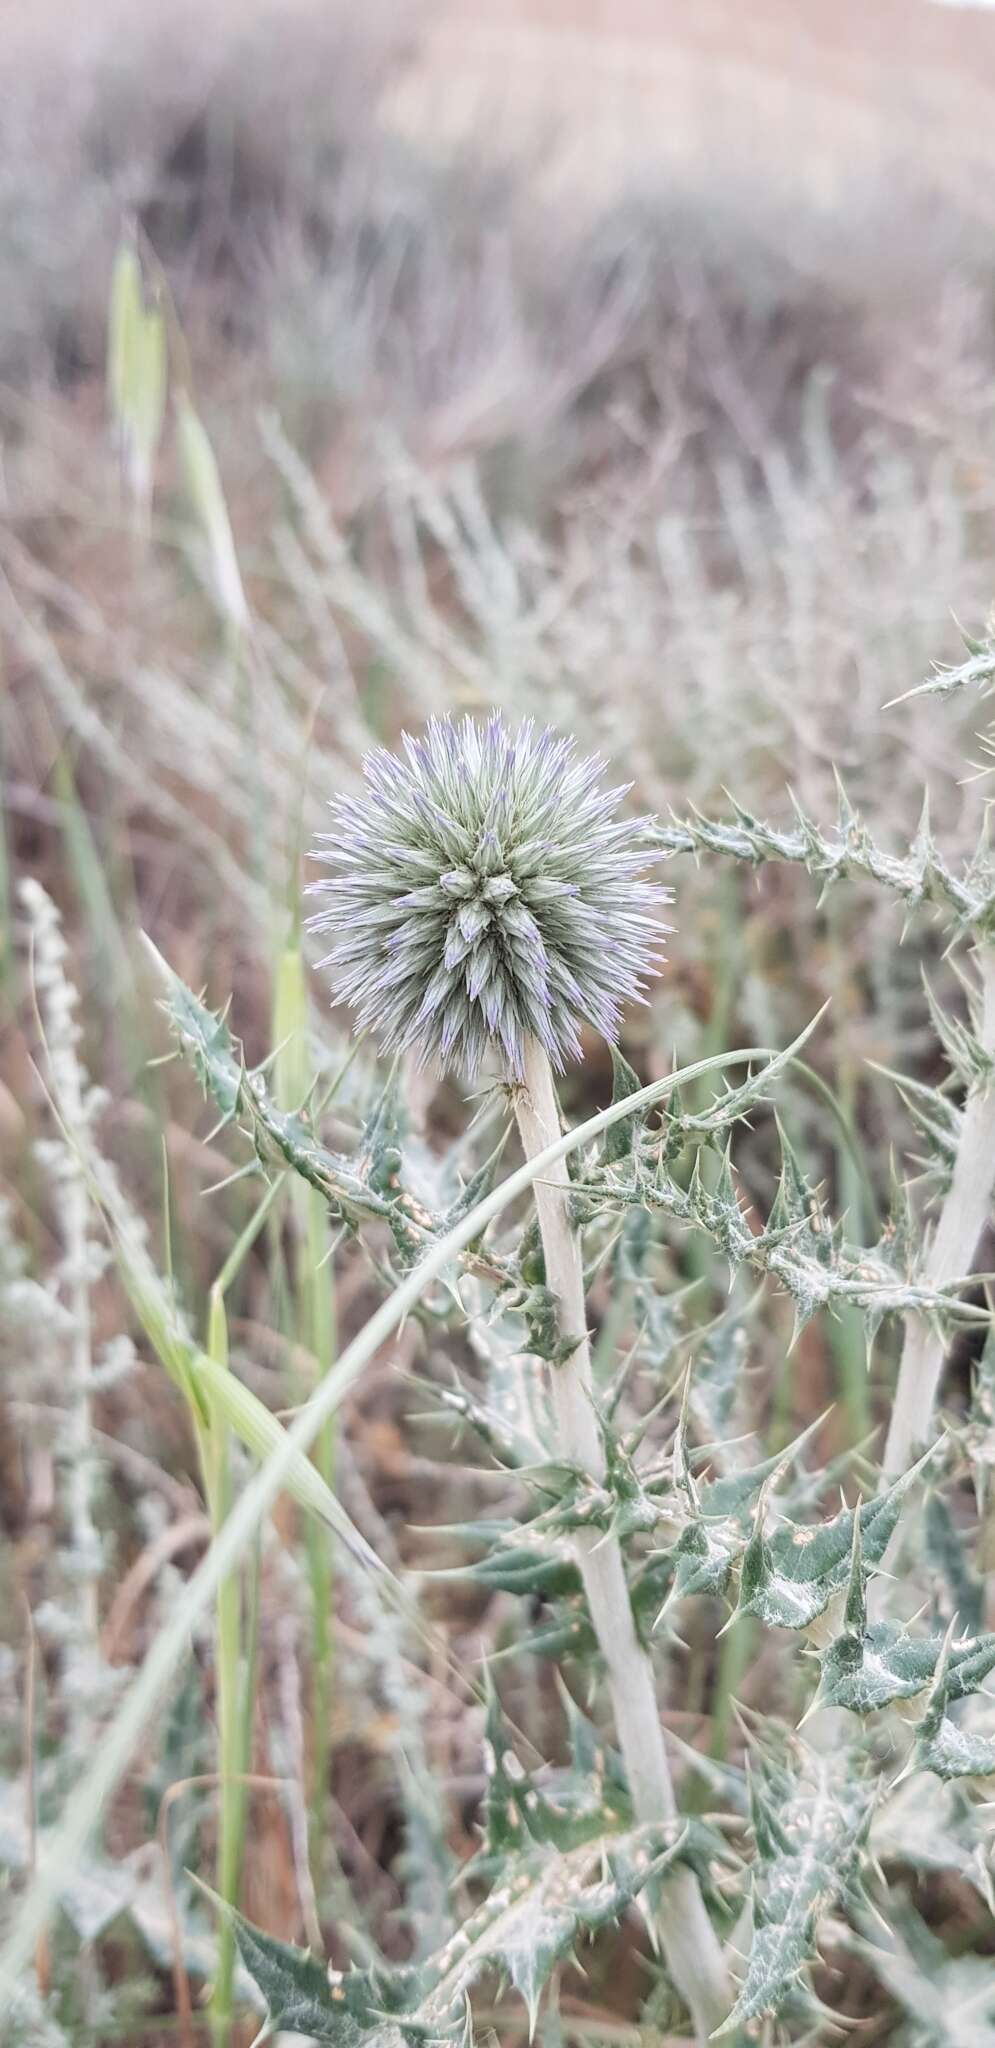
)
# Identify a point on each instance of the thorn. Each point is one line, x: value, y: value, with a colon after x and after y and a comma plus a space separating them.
x: 216, y: 1129
x: 162, y: 967
x: 817, y: 1701
x: 245, y: 1172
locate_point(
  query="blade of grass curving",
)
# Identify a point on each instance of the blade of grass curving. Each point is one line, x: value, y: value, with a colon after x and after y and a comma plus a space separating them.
x: 228, y: 1674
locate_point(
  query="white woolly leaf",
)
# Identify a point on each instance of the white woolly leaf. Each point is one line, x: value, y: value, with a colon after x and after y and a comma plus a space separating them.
x: 810, y: 1827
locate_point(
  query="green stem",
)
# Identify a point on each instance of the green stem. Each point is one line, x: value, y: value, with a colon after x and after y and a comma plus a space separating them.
x: 232, y: 1724
x: 734, y: 1657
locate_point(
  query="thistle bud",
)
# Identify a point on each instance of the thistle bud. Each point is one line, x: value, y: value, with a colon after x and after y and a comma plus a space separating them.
x: 484, y: 892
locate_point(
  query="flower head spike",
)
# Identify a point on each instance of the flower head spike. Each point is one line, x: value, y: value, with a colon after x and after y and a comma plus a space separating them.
x: 484, y: 891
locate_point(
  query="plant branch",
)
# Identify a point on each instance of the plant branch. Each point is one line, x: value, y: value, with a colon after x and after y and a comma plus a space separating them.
x: 921, y: 876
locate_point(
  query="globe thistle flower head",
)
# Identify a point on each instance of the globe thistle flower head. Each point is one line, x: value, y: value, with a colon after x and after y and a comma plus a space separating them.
x: 483, y: 890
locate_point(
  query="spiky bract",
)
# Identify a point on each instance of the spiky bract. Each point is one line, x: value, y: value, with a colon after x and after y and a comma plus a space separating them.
x: 485, y: 891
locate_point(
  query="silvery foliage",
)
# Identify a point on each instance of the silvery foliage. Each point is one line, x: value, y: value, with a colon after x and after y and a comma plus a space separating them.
x: 818, y: 1834
x: 558, y: 1860
x: 705, y: 1516
x: 484, y: 891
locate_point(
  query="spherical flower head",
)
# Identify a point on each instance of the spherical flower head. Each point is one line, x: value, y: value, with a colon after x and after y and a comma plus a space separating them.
x: 484, y: 891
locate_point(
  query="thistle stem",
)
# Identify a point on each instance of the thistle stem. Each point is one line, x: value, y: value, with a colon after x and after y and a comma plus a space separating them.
x: 951, y: 1252
x: 690, y: 1945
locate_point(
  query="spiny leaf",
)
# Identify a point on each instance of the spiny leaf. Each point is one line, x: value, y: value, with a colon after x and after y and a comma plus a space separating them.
x: 928, y: 1825
x: 797, y: 1205
x: 568, y: 1633
x: 584, y: 1801
x: 949, y: 2001
x: 719, y: 1532
x: 898, y: 1243
x: 965, y: 1052
x: 517, y: 1560
x: 810, y: 1825
x: 619, y: 1140
x: 541, y: 1311
x: 304, y: 1996
x: 717, y: 1378
x: 867, y: 1672
x: 619, y: 1501
x: 947, y: 1551
x: 546, y: 1901
x: 938, y: 1122
x: 977, y: 672
x: 867, y: 1668
x: 683, y: 1476
x: 950, y: 1751
x: 508, y: 1446
x: 922, y: 876
x: 942, y: 1746
x: 787, y: 1580
x: 704, y: 1556
x: 282, y: 1138
x: 379, y: 1156
x: 543, y: 1903
x: 473, y: 1190
x: 808, y: 1258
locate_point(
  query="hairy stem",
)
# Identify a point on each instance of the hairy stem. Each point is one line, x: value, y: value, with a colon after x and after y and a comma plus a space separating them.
x: 690, y: 1945
x: 951, y: 1252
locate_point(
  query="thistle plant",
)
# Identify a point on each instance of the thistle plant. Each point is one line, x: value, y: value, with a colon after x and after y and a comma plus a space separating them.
x: 631, y: 1517
x: 485, y: 902
x: 490, y: 909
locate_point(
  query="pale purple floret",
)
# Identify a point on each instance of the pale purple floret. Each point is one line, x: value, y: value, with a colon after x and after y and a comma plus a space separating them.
x: 483, y: 891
